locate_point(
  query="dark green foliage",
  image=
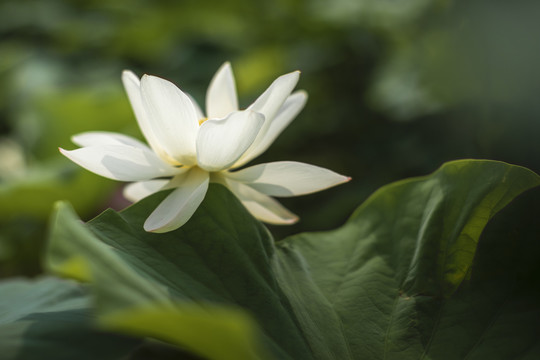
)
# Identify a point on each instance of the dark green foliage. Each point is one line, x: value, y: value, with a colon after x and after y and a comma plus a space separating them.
x: 410, y: 275
x: 51, y: 319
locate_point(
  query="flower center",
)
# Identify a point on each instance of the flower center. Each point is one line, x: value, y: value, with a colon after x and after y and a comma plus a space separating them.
x: 201, y: 121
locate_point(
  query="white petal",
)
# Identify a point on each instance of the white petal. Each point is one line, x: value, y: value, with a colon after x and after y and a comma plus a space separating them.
x: 96, y: 138
x: 273, y: 98
x: 120, y: 162
x: 288, y: 111
x: 179, y: 206
x: 139, y: 190
x: 174, y: 118
x: 221, y: 142
x: 287, y: 178
x: 133, y: 90
x: 221, y: 97
x: 261, y: 206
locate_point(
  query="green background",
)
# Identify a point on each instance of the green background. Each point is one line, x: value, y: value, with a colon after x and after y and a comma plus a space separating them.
x: 396, y: 89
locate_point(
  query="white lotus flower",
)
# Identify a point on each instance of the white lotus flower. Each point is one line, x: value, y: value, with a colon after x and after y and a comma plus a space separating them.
x: 188, y: 150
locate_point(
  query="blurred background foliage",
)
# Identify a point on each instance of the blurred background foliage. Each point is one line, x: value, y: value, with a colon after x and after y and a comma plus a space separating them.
x: 396, y: 89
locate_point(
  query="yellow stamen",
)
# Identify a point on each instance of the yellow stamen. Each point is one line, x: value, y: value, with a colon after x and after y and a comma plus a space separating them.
x: 201, y: 121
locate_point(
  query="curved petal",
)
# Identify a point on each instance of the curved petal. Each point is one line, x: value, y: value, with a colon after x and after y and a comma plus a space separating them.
x: 179, y: 206
x: 221, y: 97
x: 272, y: 99
x: 261, y: 206
x: 173, y: 118
x: 120, y: 162
x: 97, y: 138
x: 132, y: 86
x: 139, y: 190
x: 287, y: 178
x: 288, y: 111
x: 220, y: 143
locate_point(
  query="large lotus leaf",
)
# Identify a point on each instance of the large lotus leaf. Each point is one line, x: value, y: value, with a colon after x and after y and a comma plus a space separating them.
x: 49, y: 318
x: 405, y: 278
x: 400, y: 275
x: 140, y: 305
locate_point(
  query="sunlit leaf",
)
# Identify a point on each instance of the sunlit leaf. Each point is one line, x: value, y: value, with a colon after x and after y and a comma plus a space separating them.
x: 214, y: 332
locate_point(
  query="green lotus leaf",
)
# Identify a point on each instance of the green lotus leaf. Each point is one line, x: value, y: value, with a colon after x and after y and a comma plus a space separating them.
x: 413, y: 274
